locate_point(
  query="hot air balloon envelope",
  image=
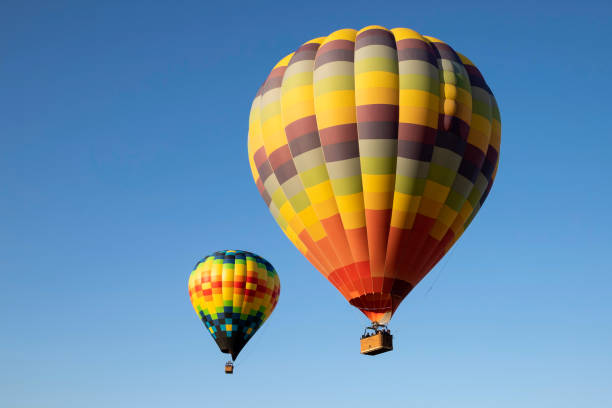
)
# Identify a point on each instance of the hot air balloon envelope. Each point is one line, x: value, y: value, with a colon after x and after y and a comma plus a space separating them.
x: 233, y: 293
x: 374, y: 150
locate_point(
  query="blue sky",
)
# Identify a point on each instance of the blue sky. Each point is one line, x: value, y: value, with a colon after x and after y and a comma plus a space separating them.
x: 123, y: 161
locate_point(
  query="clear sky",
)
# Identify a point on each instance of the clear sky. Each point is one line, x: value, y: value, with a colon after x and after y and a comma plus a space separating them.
x: 123, y: 129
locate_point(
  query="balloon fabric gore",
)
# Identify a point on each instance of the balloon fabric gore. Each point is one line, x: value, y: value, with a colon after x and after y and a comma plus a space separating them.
x: 233, y: 292
x: 374, y: 150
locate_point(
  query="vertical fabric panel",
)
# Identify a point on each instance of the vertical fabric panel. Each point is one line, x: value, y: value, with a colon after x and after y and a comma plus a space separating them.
x: 334, y: 101
x: 376, y: 100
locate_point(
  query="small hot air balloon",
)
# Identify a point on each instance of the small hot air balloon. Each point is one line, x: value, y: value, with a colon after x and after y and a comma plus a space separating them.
x: 374, y: 150
x: 233, y: 293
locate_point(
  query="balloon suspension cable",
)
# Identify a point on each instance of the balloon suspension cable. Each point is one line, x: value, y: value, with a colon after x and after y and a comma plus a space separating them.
x: 375, y: 329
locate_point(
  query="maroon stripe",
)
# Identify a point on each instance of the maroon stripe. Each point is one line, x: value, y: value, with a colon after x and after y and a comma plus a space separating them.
x: 414, y: 150
x: 489, y: 164
x: 311, y: 46
x: 468, y: 170
x: 473, y: 71
x: 285, y: 172
x: 377, y: 113
x: 474, y: 155
x: 305, y: 52
x: 333, y: 56
x: 476, y: 78
x: 471, y: 163
x: 339, y: 133
x: 279, y: 156
x: 272, y: 83
x: 264, y: 171
x: 486, y: 193
x: 277, y: 72
x: 341, y: 151
x: 260, y: 156
x: 413, y: 43
x: 417, y: 54
x: 375, y: 36
x: 300, y: 127
x: 260, y: 186
x: 451, y: 141
x: 337, y: 45
x: 303, y: 56
x: 416, y: 133
x: 304, y: 143
x: 377, y: 130
x: 453, y: 124
x: 446, y: 52
x: 266, y: 197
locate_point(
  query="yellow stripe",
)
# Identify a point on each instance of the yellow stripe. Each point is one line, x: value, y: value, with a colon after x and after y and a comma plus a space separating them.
x: 316, y: 231
x: 271, y: 109
x: 297, y: 95
x: 308, y: 217
x: 367, y: 96
x: 406, y: 33
x: 335, y: 100
x: 435, y: 191
x: 344, y: 34
x: 433, y: 39
x: 353, y: 220
x: 297, y: 111
x: 406, y: 202
x: 453, y: 108
x: 419, y: 116
x: 377, y: 79
x: 372, y: 27
x: 321, y: 192
x: 495, y: 134
x: 350, y: 203
x: 450, y: 91
x: 283, y: 62
x: 478, y: 139
x: 403, y: 219
x: 418, y: 99
x: 377, y: 201
x: 337, y: 116
x: 429, y: 207
x: 378, y: 183
x: 482, y: 125
x: 447, y: 216
x: 465, y: 60
x: 326, y: 209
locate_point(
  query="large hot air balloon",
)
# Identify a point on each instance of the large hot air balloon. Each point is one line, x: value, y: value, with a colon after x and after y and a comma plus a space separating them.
x: 374, y: 150
x: 233, y: 293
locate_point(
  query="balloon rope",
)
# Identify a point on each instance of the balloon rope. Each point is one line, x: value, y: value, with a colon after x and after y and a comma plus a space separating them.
x: 448, y: 258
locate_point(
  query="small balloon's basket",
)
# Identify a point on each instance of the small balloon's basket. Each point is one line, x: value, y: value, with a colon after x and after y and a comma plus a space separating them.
x: 229, y: 368
x: 376, y: 339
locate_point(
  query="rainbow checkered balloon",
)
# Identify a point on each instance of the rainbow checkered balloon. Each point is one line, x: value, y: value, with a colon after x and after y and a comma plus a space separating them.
x: 233, y: 292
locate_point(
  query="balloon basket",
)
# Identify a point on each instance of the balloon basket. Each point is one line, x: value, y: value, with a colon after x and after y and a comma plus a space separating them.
x: 376, y: 341
x: 229, y: 368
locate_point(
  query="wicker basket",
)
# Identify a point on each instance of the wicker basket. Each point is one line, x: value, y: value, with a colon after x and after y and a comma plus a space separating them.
x: 380, y: 342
